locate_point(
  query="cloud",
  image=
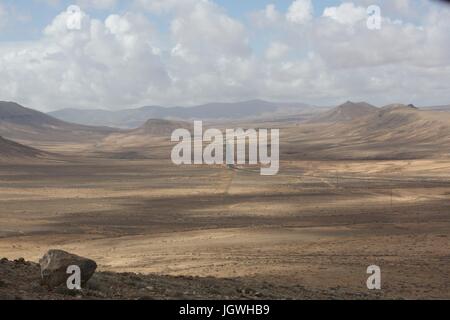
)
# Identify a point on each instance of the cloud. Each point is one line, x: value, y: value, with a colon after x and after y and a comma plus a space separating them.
x: 300, y: 12
x: 276, y: 50
x: 207, y: 31
x: 271, y: 13
x: 266, y: 17
x: 204, y: 54
x: 111, y: 63
x: 346, y: 13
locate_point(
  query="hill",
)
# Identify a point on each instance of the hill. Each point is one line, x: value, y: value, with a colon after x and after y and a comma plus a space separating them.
x: 10, y: 149
x: 24, y: 124
x: 393, y: 132
x: 151, y: 140
x: 346, y: 112
x: 399, y: 122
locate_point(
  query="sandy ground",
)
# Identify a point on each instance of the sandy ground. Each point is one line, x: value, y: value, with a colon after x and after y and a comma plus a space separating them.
x: 317, y: 225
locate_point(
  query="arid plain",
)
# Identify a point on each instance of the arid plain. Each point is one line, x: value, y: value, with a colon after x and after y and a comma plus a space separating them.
x: 345, y: 198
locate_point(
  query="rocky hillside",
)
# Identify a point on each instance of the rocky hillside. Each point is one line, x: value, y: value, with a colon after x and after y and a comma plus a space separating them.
x: 393, y: 132
x: 346, y: 112
x: 20, y: 280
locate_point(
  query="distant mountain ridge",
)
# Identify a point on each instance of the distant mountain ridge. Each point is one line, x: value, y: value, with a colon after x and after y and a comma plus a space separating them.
x: 134, y: 118
x: 20, y: 123
x: 445, y: 108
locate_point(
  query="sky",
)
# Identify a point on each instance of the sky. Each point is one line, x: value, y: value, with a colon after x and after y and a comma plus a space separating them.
x: 117, y: 54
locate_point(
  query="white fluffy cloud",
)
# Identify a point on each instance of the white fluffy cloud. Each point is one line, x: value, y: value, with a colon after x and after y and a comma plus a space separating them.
x: 300, y: 11
x: 346, y: 13
x: 277, y: 50
x: 206, y: 30
x: 266, y: 17
x: 271, y: 13
x: 111, y: 63
x: 207, y: 55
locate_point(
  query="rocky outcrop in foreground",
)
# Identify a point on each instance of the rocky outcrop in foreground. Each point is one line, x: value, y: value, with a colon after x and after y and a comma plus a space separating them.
x: 55, y: 263
x: 21, y: 280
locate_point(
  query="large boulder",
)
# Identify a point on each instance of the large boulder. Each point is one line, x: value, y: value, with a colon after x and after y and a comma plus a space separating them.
x: 54, y: 267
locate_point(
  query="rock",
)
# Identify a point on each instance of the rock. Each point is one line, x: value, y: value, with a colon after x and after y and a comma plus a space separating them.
x: 66, y: 292
x: 36, y: 288
x: 54, y: 266
x: 20, y: 261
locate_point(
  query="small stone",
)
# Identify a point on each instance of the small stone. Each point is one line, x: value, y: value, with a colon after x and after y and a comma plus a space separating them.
x: 20, y: 261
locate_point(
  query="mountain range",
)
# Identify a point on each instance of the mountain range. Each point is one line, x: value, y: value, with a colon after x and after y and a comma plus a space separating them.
x: 394, y: 131
x: 134, y: 118
x: 349, y: 131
